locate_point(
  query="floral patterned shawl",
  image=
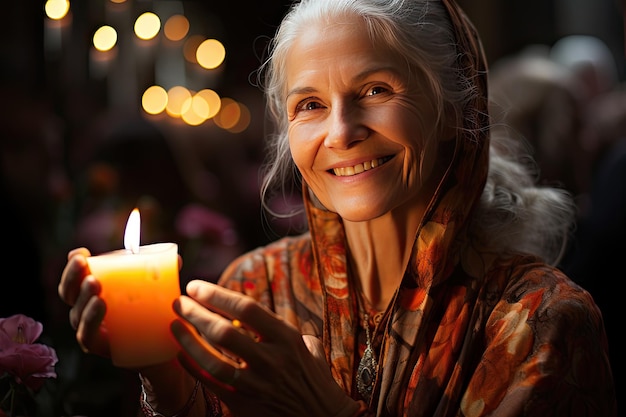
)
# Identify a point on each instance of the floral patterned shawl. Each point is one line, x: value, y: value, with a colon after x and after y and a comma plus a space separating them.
x: 516, y: 338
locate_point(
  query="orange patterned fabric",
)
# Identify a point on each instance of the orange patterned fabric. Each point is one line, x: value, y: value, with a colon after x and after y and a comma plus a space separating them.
x: 522, y: 340
x: 513, y: 338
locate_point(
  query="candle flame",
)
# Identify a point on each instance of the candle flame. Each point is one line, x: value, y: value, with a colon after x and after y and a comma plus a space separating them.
x: 131, y: 235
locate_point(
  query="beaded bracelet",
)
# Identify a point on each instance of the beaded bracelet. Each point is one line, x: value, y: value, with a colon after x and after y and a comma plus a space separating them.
x: 148, y: 411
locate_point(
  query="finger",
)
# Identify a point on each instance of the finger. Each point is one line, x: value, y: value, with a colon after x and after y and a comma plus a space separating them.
x: 88, y: 289
x: 91, y: 334
x: 271, y: 332
x: 73, y: 273
x: 204, y: 361
x: 236, y: 305
x: 78, y: 251
x: 220, y: 332
x: 208, y: 295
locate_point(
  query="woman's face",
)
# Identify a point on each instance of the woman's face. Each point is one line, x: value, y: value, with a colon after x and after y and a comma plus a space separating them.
x: 357, y: 124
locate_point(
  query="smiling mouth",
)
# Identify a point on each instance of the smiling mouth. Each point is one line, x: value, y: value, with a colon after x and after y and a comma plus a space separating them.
x: 359, y: 168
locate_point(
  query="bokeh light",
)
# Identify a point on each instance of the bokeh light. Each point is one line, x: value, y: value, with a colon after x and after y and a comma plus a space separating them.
x: 210, y: 54
x: 176, y: 97
x: 213, y: 100
x: 229, y: 114
x: 194, y: 110
x: 105, y: 38
x: 176, y: 27
x: 244, y: 119
x: 57, y: 9
x: 154, y: 100
x: 147, y: 26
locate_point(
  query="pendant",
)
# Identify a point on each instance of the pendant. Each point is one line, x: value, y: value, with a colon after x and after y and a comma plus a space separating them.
x: 366, y: 373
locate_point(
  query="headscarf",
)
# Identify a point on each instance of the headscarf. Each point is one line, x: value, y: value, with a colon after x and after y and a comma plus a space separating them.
x: 405, y: 348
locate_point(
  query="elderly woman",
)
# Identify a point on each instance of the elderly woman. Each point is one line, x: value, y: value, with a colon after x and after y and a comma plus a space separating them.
x: 423, y: 286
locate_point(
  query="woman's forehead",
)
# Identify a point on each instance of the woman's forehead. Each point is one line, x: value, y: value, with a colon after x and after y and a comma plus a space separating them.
x: 331, y: 42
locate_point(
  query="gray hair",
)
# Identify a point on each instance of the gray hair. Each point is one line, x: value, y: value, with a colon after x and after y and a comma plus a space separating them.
x: 513, y: 215
x: 516, y: 215
x: 417, y: 31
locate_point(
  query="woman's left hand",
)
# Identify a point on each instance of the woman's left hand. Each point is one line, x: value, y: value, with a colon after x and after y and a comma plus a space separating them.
x: 254, y: 361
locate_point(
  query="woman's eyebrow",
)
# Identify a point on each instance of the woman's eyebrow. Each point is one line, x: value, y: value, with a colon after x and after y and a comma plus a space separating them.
x: 375, y: 70
x: 359, y: 77
x: 301, y: 90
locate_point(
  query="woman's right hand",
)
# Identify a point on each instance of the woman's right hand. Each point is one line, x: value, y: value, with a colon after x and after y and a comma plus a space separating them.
x: 80, y: 290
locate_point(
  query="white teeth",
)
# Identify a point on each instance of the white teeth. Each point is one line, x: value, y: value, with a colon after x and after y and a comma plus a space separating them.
x: 358, y: 168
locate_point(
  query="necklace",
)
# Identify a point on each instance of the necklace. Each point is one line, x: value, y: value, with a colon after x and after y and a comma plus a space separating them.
x: 367, y: 370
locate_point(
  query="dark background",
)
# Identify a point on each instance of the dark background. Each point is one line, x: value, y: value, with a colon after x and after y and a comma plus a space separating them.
x: 506, y: 27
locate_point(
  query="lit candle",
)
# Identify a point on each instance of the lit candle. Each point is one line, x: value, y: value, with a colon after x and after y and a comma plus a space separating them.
x: 139, y: 286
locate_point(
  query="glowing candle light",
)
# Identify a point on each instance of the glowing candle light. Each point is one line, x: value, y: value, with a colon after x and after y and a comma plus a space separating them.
x: 139, y: 285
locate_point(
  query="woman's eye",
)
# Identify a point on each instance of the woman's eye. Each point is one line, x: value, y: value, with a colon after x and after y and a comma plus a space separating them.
x: 309, y: 105
x: 377, y: 90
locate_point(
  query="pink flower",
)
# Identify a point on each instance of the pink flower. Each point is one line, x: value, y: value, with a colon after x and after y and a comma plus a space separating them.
x: 27, y: 362
x: 19, y: 328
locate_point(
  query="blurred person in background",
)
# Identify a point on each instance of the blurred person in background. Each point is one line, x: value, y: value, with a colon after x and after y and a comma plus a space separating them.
x: 590, y: 60
x: 596, y: 250
x: 596, y: 253
x: 565, y: 103
x: 539, y: 102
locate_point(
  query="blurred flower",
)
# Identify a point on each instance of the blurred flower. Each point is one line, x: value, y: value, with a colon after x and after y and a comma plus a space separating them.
x: 197, y: 221
x: 24, y: 364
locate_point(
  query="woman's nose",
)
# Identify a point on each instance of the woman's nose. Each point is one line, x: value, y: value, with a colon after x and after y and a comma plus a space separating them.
x: 345, y: 128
